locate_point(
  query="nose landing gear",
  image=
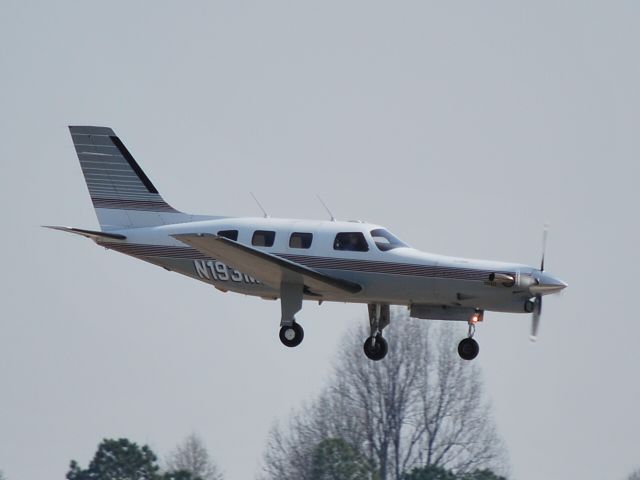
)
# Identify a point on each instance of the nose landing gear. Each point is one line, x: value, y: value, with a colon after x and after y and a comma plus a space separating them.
x: 468, y: 348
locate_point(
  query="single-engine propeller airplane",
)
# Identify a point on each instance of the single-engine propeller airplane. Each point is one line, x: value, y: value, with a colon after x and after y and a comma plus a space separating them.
x: 296, y: 260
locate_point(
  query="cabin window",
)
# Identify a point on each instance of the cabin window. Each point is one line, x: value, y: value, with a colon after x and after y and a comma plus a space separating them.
x: 351, y: 241
x: 300, y: 240
x: 263, y: 238
x: 385, y: 240
x: 230, y: 234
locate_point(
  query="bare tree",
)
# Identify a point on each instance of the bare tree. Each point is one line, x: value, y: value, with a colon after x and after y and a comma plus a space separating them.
x: 459, y: 431
x: 290, y: 450
x: 420, y: 406
x: 635, y: 475
x: 191, y: 456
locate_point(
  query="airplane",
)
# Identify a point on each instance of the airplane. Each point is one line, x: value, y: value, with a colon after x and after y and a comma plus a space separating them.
x: 294, y: 260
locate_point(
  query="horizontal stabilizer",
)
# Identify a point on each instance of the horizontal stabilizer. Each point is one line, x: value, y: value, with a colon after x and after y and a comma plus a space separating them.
x: 268, y: 268
x: 92, y: 234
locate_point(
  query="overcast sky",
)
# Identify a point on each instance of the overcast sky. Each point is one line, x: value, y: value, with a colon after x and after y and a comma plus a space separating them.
x: 461, y: 126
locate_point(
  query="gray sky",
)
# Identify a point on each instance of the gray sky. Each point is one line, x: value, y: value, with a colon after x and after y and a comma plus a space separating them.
x: 462, y: 126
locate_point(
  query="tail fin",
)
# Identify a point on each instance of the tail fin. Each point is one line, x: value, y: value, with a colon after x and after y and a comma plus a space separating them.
x: 122, y: 195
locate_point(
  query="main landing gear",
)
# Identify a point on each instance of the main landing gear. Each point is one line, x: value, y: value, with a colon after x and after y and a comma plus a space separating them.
x: 376, y: 347
x: 468, y: 348
x: 291, y: 335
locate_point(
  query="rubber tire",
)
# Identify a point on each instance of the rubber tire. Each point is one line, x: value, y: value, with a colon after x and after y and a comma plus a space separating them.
x: 468, y: 349
x: 529, y: 306
x: 298, y: 335
x: 377, y: 352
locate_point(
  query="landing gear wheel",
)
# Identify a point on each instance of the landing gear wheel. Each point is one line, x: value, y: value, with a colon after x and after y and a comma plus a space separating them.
x: 529, y: 306
x: 468, y: 349
x: 291, y: 335
x: 376, y: 350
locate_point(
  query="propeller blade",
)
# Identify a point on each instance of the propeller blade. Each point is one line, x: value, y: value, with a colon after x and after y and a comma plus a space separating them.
x: 535, y: 318
x: 545, y: 231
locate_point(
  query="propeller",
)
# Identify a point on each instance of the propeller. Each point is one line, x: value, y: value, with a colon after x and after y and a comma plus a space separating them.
x: 545, y: 232
x: 535, y: 317
x: 537, y: 304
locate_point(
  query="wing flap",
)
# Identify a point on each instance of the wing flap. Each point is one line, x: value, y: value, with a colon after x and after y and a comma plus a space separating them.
x: 266, y: 267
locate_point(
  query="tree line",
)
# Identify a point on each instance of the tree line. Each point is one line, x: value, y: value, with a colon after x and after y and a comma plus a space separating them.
x: 121, y: 459
x: 419, y: 414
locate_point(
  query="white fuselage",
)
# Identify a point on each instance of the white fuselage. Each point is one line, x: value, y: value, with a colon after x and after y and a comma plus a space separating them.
x: 397, y: 276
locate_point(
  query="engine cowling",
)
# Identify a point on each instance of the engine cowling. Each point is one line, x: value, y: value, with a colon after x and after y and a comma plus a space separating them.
x: 503, y: 278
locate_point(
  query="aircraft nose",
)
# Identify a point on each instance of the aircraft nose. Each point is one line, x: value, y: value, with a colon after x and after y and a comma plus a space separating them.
x: 548, y: 284
x: 557, y: 284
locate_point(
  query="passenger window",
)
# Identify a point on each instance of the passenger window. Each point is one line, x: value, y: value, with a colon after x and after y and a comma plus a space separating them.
x: 230, y: 234
x: 351, y: 241
x: 300, y: 240
x: 263, y: 238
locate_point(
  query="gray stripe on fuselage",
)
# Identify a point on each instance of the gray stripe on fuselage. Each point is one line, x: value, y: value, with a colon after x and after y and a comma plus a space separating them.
x: 328, y: 263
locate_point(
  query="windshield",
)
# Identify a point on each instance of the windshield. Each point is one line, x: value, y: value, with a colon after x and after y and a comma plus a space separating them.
x: 386, y: 240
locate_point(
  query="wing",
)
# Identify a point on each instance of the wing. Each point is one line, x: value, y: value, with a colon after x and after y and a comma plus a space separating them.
x: 268, y: 268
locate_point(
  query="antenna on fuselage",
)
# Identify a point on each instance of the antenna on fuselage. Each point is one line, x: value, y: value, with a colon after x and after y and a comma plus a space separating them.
x: 266, y: 215
x: 333, y: 219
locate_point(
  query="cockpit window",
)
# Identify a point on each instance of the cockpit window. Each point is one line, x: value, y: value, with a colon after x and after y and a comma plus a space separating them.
x: 351, y: 241
x: 385, y: 240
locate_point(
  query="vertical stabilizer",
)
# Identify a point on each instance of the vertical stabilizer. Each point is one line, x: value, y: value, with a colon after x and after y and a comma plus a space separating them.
x: 122, y: 194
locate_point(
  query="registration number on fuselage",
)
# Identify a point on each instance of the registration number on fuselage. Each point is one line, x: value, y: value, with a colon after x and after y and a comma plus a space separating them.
x: 219, y: 272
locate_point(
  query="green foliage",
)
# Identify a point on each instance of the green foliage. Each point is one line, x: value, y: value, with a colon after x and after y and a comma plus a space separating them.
x: 179, y: 475
x: 429, y: 472
x: 433, y: 472
x: 118, y: 460
x: 483, y: 474
x: 335, y: 459
x: 124, y: 460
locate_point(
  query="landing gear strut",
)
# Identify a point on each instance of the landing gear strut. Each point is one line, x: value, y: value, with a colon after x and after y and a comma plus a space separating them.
x: 468, y: 348
x: 376, y: 347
